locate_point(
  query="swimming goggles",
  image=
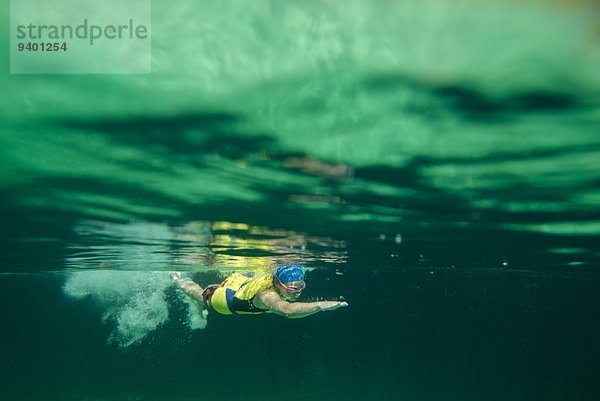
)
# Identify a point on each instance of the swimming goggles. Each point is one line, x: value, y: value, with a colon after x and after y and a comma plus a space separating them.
x: 292, y: 289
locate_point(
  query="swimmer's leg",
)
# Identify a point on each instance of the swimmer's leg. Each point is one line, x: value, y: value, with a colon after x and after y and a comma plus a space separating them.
x: 197, y: 320
x: 191, y: 289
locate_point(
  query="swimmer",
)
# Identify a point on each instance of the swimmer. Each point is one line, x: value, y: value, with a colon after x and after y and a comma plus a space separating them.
x: 257, y: 293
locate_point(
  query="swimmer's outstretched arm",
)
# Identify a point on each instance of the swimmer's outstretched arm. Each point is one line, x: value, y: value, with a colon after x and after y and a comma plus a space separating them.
x: 273, y: 301
x: 192, y: 289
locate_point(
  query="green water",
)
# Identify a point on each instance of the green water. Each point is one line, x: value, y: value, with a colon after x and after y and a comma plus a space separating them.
x: 434, y: 164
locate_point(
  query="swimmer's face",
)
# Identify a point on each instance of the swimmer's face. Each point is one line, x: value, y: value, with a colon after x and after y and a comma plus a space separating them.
x: 291, y: 291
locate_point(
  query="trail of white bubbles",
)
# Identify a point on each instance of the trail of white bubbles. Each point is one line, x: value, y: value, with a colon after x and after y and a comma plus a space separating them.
x: 134, y: 301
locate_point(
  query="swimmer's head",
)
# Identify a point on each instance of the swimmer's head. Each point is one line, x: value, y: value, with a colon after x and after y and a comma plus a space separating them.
x: 289, y: 281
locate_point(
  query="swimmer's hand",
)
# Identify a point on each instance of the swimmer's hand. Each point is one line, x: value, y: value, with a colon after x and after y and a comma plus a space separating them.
x: 332, y: 305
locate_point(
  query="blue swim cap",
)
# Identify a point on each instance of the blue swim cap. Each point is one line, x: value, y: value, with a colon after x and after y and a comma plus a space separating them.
x: 287, y: 274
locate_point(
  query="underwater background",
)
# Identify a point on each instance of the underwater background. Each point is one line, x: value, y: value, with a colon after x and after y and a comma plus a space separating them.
x: 434, y: 163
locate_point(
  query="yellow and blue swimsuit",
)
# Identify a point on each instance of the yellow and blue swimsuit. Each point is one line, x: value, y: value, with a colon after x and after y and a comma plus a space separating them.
x: 236, y: 293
